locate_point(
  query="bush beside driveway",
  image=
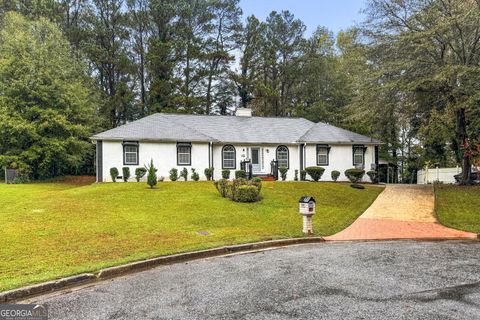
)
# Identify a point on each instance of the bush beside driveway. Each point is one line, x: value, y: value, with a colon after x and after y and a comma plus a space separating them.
x: 51, y: 230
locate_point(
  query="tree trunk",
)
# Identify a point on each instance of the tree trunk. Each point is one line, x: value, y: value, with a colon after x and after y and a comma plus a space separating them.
x: 462, y: 139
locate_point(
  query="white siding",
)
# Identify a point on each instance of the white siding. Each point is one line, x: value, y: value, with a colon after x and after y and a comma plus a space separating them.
x: 340, y: 159
x: 269, y: 154
x: 164, y: 157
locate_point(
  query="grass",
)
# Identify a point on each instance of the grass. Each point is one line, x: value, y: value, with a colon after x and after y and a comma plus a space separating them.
x: 49, y: 230
x: 458, y: 207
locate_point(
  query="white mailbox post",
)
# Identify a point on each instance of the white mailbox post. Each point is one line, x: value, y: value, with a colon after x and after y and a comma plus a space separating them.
x: 307, y: 210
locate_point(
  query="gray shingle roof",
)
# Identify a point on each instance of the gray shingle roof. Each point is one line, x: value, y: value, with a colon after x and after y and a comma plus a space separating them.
x: 326, y: 133
x: 230, y: 129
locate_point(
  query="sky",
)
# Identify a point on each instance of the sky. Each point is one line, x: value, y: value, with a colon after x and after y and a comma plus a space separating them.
x: 336, y: 15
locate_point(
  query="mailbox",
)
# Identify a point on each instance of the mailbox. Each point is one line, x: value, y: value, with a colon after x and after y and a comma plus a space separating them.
x: 307, y: 210
x: 307, y: 205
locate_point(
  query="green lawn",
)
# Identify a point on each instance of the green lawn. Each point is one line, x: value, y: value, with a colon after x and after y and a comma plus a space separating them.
x: 50, y: 230
x: 459, y: 207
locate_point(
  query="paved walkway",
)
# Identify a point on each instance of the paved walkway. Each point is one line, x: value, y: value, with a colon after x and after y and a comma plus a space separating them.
x: 401, y: 212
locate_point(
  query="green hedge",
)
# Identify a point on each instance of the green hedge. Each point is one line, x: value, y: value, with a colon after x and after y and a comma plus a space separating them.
x: 246, y: 194
x: 315, y: 172
x: 354, y: 175
x: 335, y: 175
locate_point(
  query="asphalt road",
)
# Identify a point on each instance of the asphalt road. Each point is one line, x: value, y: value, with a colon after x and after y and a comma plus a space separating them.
x: 361, y: 280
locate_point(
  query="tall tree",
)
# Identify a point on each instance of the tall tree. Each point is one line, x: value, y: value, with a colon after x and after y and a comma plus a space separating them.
x: 161, y: 57
x: 431, y: 47
x: 250, y: 47
x: 47, y: 104
x: 220, y: 45
x: 107, y: 49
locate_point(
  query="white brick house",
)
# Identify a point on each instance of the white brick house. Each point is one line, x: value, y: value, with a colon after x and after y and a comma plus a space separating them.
x: 224, y: 142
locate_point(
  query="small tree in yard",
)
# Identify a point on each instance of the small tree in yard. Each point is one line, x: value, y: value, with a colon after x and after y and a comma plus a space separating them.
x: 114, y: 174
x: 315, y: 172
x: 283, y: 173
x: 152, y: 175
x: 184, y: 174
x: 335, y: 175
x: 126, y: 173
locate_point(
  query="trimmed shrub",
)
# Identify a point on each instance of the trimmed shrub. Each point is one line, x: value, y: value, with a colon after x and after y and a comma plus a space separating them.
x: 335, y: 175
x: 246, y: 193
x: 195, y: 176
x: 209, y: 173
x: 295, y: 178
x: 184, y: 174
x: 354, y: 175
x: 140, y: 173
x: 231, y: 189
x: 283, y: 173
x: 126, y: 173
x: 152, y: 175
x: 315, y: 172
x: 240, y: 174
x: 222, y: 187
x: 303, y: 175
x: 257, y: 182
x: 373, y: 175
x: 173, y: 174
x: 114, y: 174
x: 226, y: 174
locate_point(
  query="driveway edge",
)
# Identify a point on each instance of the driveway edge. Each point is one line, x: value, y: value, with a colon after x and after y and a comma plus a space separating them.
x: 132, y: 267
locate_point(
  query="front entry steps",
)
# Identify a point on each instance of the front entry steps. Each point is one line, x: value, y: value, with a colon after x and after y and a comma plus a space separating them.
x: 265, y: 177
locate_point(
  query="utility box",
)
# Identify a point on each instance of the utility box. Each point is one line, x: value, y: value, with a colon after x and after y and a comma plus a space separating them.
x: 306, y: 207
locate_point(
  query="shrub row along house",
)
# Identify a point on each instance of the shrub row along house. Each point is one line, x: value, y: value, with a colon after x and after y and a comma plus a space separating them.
x: 258, y: 145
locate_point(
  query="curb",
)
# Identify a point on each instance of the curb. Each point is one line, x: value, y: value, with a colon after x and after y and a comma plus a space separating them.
x: 112, y: 272
x: 45, y: 287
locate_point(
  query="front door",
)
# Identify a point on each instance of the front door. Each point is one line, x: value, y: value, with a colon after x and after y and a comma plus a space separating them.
x: 256, y: 161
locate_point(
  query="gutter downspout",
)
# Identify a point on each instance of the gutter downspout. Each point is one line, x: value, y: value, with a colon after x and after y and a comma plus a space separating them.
x: 210, y: 154
x: 304, y: 156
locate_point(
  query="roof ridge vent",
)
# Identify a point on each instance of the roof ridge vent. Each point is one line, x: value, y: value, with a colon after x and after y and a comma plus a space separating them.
x: 243, y: 112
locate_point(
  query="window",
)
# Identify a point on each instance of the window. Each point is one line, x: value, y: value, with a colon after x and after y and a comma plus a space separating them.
x: 322, y: 154
x: 282, y: 157
x: 184, y: 154
x: 358, y: 155
x: 130, y: 153
x: 229, y: 158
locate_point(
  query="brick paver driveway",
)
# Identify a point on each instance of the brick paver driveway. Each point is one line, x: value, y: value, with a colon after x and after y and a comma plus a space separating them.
x: 401, y: 212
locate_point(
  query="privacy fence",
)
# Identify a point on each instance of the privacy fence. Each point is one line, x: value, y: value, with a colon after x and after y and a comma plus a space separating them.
x: 444, y: 175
